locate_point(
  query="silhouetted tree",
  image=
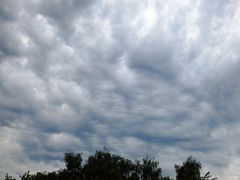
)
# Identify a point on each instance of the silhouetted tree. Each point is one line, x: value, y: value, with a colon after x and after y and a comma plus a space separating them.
x: 208, y: 176
x: 150, y: 170
x: 191, y: 170
x: 73, y: 161
x: 104, y: 165
x: 7, y: 177
x: 73, y: 164
x: 26, y: 176
x: 63, y: 174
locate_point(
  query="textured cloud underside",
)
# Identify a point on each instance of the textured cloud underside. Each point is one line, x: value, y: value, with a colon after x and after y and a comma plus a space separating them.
x: 139, y: 77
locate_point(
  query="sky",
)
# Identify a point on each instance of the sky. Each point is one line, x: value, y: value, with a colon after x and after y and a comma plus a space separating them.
x: 142, y: 78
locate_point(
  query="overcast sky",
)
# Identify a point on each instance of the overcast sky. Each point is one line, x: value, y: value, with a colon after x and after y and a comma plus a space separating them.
x: 143, y: 78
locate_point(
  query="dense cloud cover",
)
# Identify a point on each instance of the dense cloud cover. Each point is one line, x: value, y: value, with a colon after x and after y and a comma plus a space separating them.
x: 139, y: 77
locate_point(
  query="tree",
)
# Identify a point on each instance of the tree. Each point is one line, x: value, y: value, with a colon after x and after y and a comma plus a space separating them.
x: 26, y: 176
x: 208, y: 176
x: 73, y: 164
x: 73, y: 161
x: 150, y: 169
x: 7, y: 177
x: 104, y: 165
x: 191, y: 170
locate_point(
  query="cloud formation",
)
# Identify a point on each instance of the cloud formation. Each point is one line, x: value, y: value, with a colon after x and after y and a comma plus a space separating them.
x: 141, y: 78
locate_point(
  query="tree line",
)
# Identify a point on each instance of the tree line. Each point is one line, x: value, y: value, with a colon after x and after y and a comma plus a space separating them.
x: 103, y: 165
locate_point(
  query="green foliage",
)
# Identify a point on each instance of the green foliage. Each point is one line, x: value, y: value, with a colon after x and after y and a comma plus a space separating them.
x: 104, y: 165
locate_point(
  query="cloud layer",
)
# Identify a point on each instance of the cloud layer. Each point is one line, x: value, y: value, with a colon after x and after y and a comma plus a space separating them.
x: 141, y: 78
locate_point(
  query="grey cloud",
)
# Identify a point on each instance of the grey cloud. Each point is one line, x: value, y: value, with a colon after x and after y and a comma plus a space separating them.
x: 9, y: 10
x: 62, y: 14
x: 157, y: 78
x: 10, y: 43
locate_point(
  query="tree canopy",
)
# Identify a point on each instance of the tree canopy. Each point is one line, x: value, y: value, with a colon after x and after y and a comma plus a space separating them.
x: 103, y: 165
x: 191, y: 170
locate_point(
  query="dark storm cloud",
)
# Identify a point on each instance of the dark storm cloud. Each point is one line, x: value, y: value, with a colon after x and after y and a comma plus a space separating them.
x: 141, y: 78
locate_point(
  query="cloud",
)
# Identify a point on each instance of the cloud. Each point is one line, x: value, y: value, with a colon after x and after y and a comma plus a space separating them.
x: 141, y: 78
